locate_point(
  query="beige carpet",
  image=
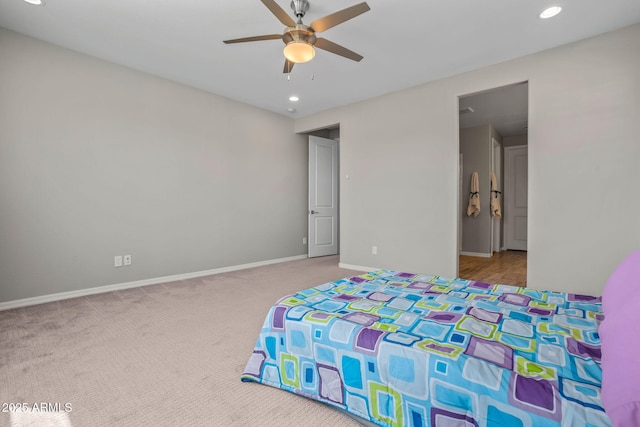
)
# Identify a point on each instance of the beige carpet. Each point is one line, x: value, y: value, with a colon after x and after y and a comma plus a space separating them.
x: 161, y: 355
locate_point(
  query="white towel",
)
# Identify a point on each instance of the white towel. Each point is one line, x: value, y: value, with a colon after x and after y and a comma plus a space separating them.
x: 474, y: 196
x: 495, y: 197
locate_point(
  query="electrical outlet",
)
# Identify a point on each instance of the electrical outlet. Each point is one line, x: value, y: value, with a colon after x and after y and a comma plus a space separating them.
x: 117, y: 261
x: 374, y: 250
x: 304, y: 240
x: 127, y: 260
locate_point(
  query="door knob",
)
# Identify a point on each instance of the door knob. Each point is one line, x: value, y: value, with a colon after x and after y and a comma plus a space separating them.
x: 313, y: 212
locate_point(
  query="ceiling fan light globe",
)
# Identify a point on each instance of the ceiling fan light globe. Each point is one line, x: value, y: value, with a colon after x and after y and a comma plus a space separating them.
x: 299, y: 52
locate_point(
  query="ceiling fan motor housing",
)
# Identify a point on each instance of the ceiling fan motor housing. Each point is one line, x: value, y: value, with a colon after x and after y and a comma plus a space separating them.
x: 299, y: 7
x: 299, y: 33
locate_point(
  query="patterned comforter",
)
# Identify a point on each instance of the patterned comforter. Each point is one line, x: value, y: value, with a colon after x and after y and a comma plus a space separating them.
x: 401, y: 349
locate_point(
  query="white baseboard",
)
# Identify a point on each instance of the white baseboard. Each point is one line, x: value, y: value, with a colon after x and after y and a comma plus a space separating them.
x: 357, y: 267
x: 145, y: 282
x: 478, y: 254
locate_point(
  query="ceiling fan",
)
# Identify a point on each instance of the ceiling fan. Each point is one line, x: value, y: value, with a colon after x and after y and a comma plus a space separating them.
x: 299, y: 39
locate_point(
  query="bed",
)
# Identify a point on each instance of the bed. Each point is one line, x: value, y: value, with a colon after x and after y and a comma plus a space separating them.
x: 402, y: 349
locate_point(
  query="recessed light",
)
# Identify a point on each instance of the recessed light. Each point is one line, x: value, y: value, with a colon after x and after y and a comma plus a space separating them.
x: 550, y: 12
x: 294, y: 98
x: 35, y: 2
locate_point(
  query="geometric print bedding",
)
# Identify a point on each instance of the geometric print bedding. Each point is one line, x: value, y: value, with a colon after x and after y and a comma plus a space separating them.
x: 402, y: 349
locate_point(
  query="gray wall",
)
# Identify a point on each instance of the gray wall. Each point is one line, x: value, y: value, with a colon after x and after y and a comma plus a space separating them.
x: 475, y: 146
x: 401, y: 152
x: 98, y: 160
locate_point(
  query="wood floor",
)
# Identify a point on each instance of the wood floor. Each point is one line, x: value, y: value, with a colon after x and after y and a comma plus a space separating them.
x: 507, y: 268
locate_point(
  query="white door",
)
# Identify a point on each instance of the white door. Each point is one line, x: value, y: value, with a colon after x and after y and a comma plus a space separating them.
x: 515, y: 197
x: 323, y: 196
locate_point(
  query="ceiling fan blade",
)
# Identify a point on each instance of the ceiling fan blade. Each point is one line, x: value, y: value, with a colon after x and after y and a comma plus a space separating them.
x: 279, y: 13
x: 288, y: 66
x: 255, y: 38
x: 332, y: 47
x: 338, y: 17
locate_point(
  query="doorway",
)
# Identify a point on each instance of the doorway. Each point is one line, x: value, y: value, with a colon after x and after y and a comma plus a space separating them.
x: 489, y: 122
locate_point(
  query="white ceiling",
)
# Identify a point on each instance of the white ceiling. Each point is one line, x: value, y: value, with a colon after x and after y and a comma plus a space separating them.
x: 404, y: 42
